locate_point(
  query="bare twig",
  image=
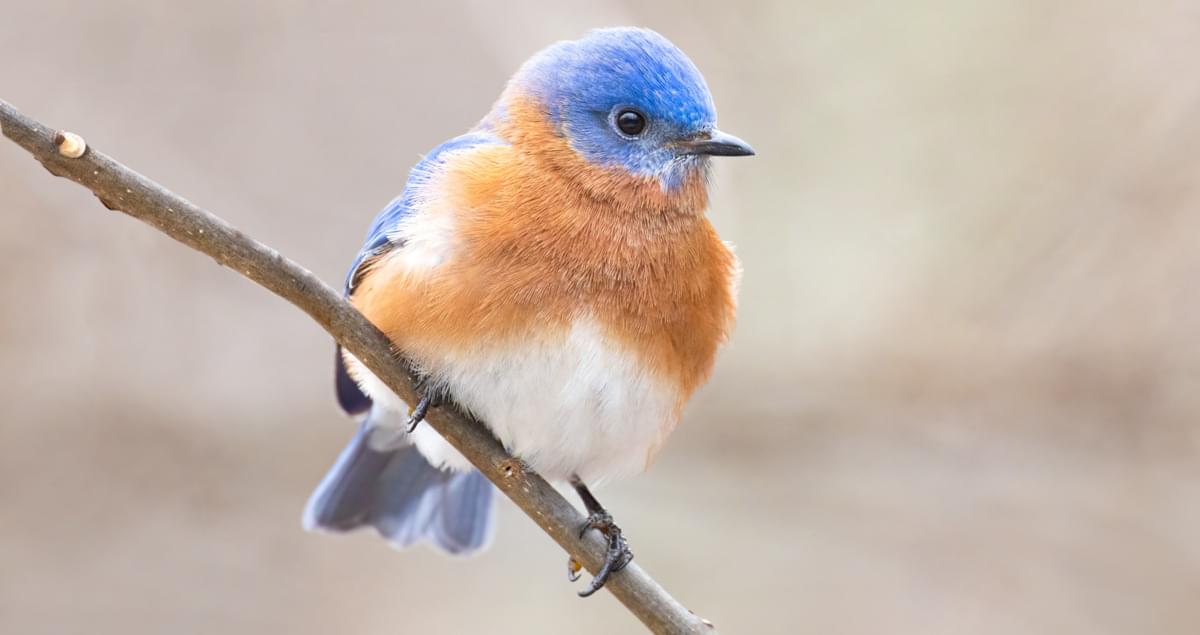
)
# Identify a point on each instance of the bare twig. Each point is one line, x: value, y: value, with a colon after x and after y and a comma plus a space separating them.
x: 120, y: 188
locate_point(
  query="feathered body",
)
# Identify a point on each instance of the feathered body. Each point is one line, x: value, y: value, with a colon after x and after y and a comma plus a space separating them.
x: 571, y: 296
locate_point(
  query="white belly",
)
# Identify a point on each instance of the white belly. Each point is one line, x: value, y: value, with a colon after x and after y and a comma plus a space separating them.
x: 578, y: 406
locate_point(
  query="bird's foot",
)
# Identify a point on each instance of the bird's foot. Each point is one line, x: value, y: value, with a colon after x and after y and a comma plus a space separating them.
x: 430, y: 398
x: 616, y: 557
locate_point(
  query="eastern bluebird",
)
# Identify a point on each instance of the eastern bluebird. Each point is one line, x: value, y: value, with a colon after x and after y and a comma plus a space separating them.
x: 553, y: 273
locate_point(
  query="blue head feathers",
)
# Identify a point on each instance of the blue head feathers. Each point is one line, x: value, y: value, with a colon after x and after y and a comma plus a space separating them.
x: 628, y: 98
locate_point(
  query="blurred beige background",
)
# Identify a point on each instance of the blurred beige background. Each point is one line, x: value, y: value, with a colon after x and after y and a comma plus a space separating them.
x: 963, y: 397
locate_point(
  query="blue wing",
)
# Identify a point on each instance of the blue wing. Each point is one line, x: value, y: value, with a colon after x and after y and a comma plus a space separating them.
x: 381, y: 240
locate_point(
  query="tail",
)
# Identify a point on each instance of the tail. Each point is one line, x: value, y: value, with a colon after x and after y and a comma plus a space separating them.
x: 404, y: 498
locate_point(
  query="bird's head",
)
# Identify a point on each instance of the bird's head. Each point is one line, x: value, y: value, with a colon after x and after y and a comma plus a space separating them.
x: 626, y: 100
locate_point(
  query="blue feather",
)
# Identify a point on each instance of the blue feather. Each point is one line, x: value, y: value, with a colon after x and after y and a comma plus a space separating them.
x: 350, y: 397
x: 407, y: 500
x: 380, y: 238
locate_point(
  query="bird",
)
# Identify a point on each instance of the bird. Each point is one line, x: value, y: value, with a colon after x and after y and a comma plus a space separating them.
x: 551, y: 272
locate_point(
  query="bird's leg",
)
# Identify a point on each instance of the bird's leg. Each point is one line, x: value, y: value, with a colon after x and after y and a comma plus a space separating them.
x: 618, y: 554
x: 430, y: 398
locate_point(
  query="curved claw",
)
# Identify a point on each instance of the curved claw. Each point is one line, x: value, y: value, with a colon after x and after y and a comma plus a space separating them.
x: 573, y: 569
x: 617, y: 557
x: 417, y: 415
x: 626, y: 558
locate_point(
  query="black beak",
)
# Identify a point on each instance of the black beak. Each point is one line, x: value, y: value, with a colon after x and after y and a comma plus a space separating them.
x: 716, y: 143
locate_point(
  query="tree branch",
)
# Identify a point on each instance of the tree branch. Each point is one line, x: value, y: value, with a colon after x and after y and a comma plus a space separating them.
x: 120, y: 188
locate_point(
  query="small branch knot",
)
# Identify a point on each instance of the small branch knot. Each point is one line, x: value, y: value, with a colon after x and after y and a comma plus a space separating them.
x: 511, y: 467
x: 69, y: 144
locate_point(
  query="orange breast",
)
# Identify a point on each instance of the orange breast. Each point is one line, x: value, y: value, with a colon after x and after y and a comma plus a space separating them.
x: 542, y: 238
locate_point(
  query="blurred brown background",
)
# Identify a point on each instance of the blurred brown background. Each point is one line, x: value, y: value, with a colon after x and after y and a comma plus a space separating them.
x: 963, y: 397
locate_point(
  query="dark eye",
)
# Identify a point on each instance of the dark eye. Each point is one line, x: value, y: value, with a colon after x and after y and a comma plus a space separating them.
x: 631, y: 122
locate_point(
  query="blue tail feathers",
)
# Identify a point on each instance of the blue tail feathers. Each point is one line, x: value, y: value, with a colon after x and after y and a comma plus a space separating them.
x: 404, y: 498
